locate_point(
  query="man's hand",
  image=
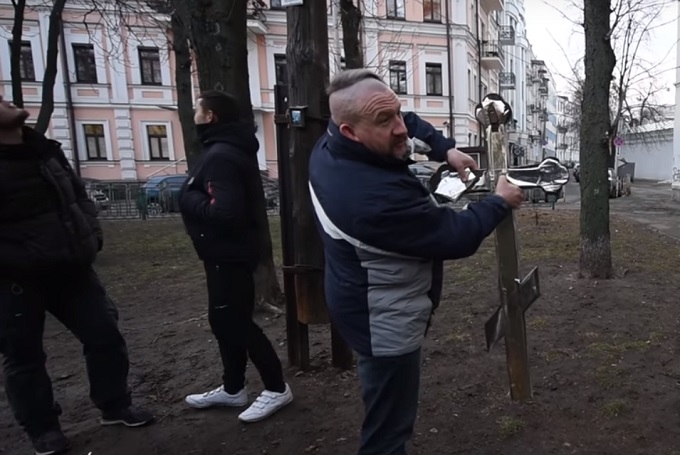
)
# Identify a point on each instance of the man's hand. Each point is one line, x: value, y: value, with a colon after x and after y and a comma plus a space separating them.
x: 461, y: 161
x: 512, y: 194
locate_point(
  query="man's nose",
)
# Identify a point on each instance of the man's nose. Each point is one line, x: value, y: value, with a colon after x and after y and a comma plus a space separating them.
x: 399, y: 127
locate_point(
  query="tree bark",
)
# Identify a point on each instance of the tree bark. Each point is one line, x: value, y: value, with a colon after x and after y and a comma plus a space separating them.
x: 185, y: 108
x: 350, y: 17
x: 15, y: 53
x: 51, y: 68
x: 595, y: 256
x: 219, y: 36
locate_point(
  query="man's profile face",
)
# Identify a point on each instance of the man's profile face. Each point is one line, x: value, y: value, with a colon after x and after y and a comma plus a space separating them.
x: 378, y: 124
x: 201, y: 115
x: 11, y: 117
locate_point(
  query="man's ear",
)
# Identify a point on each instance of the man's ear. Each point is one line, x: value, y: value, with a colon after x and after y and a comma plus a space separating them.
x: 347, y: 131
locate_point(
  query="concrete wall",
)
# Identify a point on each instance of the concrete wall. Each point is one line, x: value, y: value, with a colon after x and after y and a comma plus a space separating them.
x: 652, y: 155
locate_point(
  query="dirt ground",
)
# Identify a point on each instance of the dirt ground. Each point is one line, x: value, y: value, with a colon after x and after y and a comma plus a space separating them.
x: 603, y: 354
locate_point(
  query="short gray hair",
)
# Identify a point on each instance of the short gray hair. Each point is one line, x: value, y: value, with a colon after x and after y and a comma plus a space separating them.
x: 347, y: 78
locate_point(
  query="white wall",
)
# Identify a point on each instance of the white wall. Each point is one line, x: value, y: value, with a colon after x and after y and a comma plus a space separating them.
x: 653, y: 157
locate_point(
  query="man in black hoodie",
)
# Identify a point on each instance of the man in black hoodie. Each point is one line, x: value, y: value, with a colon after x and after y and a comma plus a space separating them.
x: 49, y: 239
x: 220, y: 204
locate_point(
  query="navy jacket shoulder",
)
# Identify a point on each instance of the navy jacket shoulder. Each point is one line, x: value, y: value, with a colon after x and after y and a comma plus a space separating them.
x: 382, y: 204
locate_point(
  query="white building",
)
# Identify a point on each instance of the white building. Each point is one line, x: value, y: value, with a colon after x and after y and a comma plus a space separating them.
x: 675, y: 185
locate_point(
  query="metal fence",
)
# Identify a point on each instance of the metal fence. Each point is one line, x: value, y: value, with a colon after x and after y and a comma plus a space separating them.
x: 131, y: 200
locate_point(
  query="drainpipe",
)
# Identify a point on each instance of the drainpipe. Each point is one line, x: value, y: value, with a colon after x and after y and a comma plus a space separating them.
x: 69, y: 101
x: 450, y: 65
x: 479, y: 66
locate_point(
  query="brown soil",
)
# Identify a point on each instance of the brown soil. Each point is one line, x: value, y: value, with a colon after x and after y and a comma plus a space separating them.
x: 604, y: 370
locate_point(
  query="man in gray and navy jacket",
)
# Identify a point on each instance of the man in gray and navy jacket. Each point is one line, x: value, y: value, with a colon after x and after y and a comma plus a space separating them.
x: 385, y: 241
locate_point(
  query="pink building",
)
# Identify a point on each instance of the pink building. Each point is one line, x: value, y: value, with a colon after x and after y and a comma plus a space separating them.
x: 120, y: 120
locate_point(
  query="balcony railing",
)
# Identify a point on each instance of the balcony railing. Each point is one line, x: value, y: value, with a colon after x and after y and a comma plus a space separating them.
x: 492, y: 49
x: 507, y: 80
x: 506, y: 35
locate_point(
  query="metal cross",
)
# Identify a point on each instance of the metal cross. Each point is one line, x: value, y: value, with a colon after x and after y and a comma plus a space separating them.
x: 516, y: 295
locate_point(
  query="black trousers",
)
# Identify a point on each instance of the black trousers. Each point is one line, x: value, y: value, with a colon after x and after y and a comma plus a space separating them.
x: 78, y: 300
x: 390, y: 387
x: 231, y: 299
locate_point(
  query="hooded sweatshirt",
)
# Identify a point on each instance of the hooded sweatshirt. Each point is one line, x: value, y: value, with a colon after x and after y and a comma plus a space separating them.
x: 221, y: 197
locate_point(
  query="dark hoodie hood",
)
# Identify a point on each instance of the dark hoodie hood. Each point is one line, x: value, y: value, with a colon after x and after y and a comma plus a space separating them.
x: 240, y: 135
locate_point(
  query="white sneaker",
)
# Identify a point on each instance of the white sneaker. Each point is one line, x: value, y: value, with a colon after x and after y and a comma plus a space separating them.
x: 217, y: 397
x: 266, y: 404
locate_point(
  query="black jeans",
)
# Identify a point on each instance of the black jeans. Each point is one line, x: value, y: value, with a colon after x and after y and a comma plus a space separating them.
x: 231, y: 299
x: 78, y: 300
x: 390, y: 387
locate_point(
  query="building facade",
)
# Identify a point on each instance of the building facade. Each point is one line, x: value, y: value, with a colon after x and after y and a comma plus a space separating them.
x: 675, y: 185
x: 115, y: 99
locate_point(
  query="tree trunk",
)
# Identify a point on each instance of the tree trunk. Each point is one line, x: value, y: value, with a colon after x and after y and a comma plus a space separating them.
x: 219, y: 37
x: 185, y: 107
x: 51, y: 69
x: 15, y: 53
x: 350, y: 17
x: 595, y: 259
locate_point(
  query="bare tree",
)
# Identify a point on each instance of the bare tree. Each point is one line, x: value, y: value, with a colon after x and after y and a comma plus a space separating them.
x: 51, y: 68
x: 15, y: 52
x: 51, y: 60
x: 600, y: 60
x: 183, y: 82
x: 350, y: 17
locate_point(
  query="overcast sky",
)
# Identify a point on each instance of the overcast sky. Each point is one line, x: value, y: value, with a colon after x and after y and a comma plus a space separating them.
x: 547, y: 26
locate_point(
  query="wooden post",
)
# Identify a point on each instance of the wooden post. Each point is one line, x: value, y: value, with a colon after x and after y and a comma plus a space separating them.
x: 308, y: 115
x: 297, y: 334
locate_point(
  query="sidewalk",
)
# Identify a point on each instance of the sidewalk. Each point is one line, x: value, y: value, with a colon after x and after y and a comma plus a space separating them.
x: 650, y: 204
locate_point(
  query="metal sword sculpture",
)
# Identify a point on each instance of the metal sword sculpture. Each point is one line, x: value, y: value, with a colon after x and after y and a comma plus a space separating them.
x: 516, y: 295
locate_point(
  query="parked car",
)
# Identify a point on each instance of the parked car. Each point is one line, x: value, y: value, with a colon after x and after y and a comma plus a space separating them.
x: 96, y: 195
x: 424, y: 170
x: 101, y: 200
x: 161, y: 193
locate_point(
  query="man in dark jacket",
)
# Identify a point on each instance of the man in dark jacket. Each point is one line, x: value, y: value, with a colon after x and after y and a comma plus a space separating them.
x: 385, y: 241
x: 221, y: 203
x: 49, y: 239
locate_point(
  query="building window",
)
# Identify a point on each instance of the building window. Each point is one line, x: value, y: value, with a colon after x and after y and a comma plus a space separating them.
x: 157, y: 135
x: 86, y: 67
x: 150, y: 65
x: 398, y: 77
x: 432, y: 10
x: 95, y: 142
x: 281, y: 69
x: 433, y: 79
x: 26, y: 68
x: 275, y: 4
x: 395, y: 9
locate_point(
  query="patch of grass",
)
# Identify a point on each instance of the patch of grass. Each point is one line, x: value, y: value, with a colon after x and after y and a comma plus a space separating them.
x: 510, y: 426
x: 609, y: 377
x: 458, y: 337
x: 552, y: 356
x: 538, y: 323
x: 615, y: 408
x: 617, y: 348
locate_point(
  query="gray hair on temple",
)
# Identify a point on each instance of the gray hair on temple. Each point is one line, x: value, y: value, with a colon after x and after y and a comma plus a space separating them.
x: 348, y: 78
